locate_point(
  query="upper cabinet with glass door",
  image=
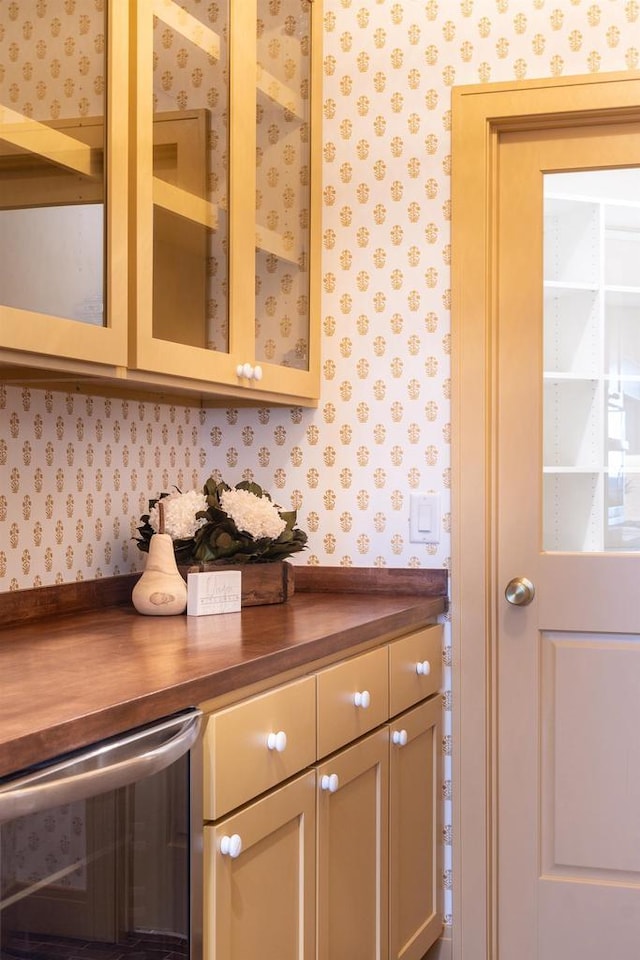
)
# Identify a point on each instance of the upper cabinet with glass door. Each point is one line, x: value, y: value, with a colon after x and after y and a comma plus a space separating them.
x: 63, y: 185
x: 226, y: 197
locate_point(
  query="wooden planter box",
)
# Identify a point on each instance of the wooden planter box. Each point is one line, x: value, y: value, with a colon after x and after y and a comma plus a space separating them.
x: 261, y: 582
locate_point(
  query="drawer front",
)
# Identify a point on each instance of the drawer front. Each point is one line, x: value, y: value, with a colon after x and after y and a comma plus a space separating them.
x: 415, y: 667
x: 353, y: 698
x: 252, y: 746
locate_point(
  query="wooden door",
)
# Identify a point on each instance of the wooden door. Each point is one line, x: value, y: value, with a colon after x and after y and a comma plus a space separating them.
x: 544, y: 698
x: 259, y: 891
x: 352, y: 852
x: 569, y: 660
x: 415, y: 867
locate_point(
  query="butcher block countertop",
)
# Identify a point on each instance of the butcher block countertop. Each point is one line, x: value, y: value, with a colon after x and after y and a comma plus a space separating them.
x: 78, y: 664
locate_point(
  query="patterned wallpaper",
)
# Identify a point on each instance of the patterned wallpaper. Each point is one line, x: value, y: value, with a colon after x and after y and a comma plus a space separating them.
x: 76, y: 472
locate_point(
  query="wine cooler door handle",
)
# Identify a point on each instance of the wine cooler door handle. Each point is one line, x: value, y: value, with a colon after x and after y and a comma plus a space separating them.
x: 103, y: 767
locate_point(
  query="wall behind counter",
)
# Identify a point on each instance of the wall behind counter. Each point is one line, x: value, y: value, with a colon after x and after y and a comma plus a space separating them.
x: 76, y: 472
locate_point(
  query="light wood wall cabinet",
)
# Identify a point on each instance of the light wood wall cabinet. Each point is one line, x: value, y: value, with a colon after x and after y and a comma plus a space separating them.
x: 178, y: 220
x: 322, y: 811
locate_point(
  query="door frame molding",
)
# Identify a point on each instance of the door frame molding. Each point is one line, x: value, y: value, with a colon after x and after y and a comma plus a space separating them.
x: 480, y: 114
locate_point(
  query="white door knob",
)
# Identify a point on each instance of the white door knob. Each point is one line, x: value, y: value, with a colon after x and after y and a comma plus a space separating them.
x: 423, y: 668
x: 399, y: 737
x: 231, y: 846
x: 330, y: 782
x: 257, y: 372
x: 362, y: 699
x: 277, y: 741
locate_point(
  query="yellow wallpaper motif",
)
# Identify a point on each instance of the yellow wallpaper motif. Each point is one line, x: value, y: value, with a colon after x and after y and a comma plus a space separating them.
x: 76, y: 472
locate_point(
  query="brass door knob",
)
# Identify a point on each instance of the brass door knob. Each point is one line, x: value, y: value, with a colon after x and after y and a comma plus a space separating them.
x: 520, y: 591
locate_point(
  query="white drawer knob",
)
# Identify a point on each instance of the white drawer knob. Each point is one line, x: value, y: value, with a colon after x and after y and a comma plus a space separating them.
x: 231, y: 846
x: 362, y: 698
x: 246, y: 371
x: 423, y: 668
x: 257, y: 372
x: 277, y: 741
x: 399, y: 737
x: 330, y: 782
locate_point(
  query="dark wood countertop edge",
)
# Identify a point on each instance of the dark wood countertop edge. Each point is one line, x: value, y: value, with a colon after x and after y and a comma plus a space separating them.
x: 25, y: 606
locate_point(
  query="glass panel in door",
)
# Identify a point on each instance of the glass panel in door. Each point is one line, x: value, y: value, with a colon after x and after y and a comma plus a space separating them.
x: 283, y: 162
x: 592, y: 360
x: 52, y: 142
x: 190, y: 173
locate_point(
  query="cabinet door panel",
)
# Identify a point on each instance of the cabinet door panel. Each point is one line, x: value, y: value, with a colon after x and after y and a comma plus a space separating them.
x: 261, y: 903
x: 353, y: 853
x: 64, y: 196
x: 283, y: 218
x: 182, y: 188
x: 415, y: 846
x: 224, y: 291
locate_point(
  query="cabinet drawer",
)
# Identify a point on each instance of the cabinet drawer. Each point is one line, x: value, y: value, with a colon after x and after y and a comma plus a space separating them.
x: 252, y: 746
x: 415, y: 667
x: 353, y: 698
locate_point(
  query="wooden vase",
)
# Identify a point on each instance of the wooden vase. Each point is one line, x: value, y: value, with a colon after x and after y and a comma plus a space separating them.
x: 160, y: 591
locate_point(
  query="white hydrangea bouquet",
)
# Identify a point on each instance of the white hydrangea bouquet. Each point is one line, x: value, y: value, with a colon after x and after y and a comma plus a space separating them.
x: 223, y: 524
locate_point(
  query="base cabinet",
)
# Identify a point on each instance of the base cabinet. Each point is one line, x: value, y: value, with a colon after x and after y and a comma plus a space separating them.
x: 415, y: 858
x: 342, y: 861
x: 353, y: 851
x: 259, y: 878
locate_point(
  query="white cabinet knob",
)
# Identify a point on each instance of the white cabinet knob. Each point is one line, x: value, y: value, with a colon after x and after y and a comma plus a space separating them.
x: 277, y: 741
x: 231, y: 846
x: 399, y: 737
x: 362, y: 699
x: 330, y: 782
x: 423, y: 668
x: 246, y: 372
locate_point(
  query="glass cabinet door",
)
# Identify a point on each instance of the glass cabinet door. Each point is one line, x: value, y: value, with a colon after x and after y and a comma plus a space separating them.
x: 223, y: 195
x: 63, y: 202
x: 182, y: 66
x: 283, y: 161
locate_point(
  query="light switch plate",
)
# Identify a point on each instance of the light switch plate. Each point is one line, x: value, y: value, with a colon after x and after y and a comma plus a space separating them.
x: 424, y: 518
